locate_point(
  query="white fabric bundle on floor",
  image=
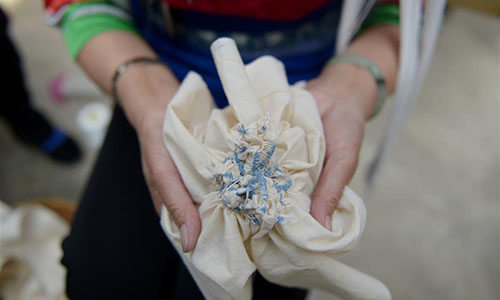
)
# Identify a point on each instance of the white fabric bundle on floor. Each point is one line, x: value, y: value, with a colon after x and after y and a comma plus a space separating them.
x: 30, y: 253
x: 251, y: 168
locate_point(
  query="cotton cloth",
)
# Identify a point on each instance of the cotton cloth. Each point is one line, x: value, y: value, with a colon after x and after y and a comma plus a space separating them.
x: 30, y: 253
x: 251, y: 169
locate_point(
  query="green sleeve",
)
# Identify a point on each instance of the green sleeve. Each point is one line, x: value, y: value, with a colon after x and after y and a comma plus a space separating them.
x: 382, y: 14
x: 79, y: 30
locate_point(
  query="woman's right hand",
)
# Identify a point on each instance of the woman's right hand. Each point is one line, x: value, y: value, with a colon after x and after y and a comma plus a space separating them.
x: 144, y: 91
x: 164, y: 181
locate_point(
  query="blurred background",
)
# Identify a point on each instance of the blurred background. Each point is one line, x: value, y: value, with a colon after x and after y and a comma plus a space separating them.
x: 433, y: 222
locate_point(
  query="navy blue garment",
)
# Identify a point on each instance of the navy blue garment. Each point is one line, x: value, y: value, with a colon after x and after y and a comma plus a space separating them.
x: 303, y: 46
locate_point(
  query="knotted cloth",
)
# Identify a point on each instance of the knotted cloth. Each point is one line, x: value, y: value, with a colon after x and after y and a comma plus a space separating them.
x: 251, y: 168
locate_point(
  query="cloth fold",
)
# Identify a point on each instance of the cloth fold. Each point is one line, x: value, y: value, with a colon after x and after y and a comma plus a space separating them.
x: 251, y: 169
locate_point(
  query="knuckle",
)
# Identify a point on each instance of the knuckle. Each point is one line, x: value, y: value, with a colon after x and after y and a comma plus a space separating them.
x: 327, y: 202
x: 332, y: 204
x: 177, y: 210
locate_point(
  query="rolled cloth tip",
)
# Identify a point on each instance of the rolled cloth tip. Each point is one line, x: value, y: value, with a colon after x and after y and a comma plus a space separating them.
x: 234, y: 78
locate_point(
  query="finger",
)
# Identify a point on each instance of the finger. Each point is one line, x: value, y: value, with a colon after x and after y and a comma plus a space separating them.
x: 168, y: 185
x: 337, y: 172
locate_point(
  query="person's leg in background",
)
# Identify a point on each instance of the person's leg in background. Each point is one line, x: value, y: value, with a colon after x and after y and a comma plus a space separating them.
x: 27, y: 124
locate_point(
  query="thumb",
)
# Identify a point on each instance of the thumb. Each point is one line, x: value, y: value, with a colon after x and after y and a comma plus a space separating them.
x: 338, y: 171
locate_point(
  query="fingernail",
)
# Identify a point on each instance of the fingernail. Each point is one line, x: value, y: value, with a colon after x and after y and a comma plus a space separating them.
x: 184, y: 238
x: 328, y: 223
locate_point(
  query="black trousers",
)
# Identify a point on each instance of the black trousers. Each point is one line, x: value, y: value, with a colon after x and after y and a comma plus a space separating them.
x: 116, y: 248
x: 15, y: 107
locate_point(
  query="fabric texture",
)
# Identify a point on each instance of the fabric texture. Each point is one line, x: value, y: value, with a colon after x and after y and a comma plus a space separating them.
x: 251, y: 169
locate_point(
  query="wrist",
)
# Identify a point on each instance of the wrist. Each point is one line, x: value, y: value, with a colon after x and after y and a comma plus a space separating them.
x: 144, y: 92
x: 346, y: 85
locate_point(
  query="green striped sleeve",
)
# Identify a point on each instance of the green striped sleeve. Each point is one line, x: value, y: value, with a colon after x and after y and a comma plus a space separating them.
x: 382, y: 14
x: 83, y: 21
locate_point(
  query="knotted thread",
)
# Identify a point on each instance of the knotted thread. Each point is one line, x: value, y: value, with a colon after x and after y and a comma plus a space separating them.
x: 250, y: 181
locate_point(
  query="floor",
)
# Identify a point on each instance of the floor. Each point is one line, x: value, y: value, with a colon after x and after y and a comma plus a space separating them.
x: 25, y: 173
x: 433, y: 227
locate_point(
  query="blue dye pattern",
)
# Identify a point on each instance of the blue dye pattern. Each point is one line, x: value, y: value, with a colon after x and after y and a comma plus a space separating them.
x: 255, y: 163
x: 242, y: 130
x: 277, y: 169
x: 269, y: 154
x: 237, y: 160
x: 254, y: 220
x: 251, y: 187
x: 263, y: 186
x: 257, y: 182
x: 285, y: 186
x: 261, y: 164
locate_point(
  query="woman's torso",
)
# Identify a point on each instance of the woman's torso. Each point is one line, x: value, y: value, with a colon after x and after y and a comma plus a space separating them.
x: 301, y: 35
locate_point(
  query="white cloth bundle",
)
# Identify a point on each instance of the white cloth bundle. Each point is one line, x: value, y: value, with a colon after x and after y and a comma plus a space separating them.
x: 251, y: 168
x: 30, y: 253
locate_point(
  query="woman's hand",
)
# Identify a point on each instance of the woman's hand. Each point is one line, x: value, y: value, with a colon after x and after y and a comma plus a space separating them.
x: 343, y: 109
x: 346, y: 97
x: 146, y: 90
x: 164, y: 181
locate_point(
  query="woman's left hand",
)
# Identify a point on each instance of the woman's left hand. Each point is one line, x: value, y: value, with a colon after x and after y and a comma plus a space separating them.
x: 343, y: 109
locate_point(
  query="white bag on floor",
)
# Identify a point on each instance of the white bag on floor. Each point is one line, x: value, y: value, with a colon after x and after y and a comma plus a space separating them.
x: 251, y: 168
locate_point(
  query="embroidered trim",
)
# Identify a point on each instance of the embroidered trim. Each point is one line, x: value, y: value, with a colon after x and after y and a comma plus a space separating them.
x: 95, y: 9
x: 54, y: 18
